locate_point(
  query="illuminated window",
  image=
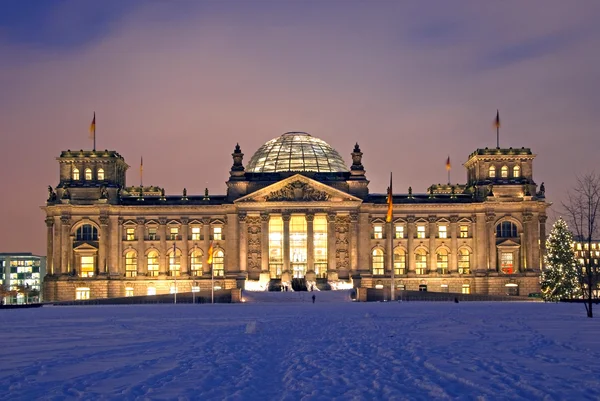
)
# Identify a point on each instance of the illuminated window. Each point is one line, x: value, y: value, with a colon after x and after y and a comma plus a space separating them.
x: 75, y: 173
x: 399, y: 231
x: 82, y: 293
x: 442, y: 261
x: 129, y: 291
x: 512, y: 289
x: 464, y: 261
x: 218, y: 263
x: 492, y: 172
x: 442, y: 231
x: 506, y: 262
x: 516, y: 171
x: 504, y: 172
x: 151, y: 291
x: 152, y: 234
x: 131, y: 264
x: 506, y: 229
x: 464, y: 231
x: 579, y: 247
x: 399, y: 261
x: 173, y: 233
x: 196, y: 262
x: 87, y: 266
x: 100, y: 174
x: 196, y: 234
x: 320, y: 245
x: 174, y: 262
x: 420, y: 261
x: 88, y: 174
x: 466, y: 289
x: 130, y: 234
x: 298, y: 246
x: 444, y: 288
x: 377, y: 259
x: 217, y: 233
x: 275, y: 246
x: 420, y: 231
x: 378, y: 232
x: 86, y: 232
x: 152, y: 259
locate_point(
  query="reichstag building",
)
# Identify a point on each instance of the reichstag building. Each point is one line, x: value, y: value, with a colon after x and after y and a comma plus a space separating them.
x: 295, y: 210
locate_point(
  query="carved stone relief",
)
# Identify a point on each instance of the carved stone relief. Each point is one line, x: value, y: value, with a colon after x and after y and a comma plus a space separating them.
x: 253, y: 251
x: 342, y: 242
x: 297, y: 191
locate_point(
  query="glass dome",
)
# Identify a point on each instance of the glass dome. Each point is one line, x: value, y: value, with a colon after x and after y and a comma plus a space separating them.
x: 296, y: 151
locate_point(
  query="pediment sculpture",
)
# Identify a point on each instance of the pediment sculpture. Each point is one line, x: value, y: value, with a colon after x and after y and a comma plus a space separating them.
x: 297, y: 191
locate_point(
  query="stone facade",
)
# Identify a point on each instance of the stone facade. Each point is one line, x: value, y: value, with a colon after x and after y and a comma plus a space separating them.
x: 109, y: 240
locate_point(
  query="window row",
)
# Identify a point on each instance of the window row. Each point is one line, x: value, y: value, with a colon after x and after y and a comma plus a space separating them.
x: 173, y: 233
x: 400, y: 231
x: 378, y: 261
x: 88, y: 174
x: 504, y: 170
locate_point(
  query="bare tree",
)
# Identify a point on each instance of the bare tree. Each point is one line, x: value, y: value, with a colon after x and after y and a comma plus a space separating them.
x: 582, y: 210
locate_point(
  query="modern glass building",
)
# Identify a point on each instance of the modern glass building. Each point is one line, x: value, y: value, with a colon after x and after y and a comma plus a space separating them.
x: 23, y: 274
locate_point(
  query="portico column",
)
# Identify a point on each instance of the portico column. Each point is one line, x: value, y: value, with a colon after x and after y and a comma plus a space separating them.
x: 103, y: 245
x: 491, y: 239
x: 264, y: 242
x: 65, y: 223
x: 243, y: 240
x: 162, y: 233
x: 58, y: 244
x: 353, y: 241
x: 286, y: 241
x: 453, y: 244
x: 389, y: 246
x: 542, y: 219
x: 206, y: 235
x: 310, y: 241
x: 432, y: 236
x: 527, y: 241
x: 72, y: 255
x: 185, y: 247
x: 141, y: 228
x: 49, y: 245
x: 410, y: 239
x: 331, y: 235
x: 116, y: 270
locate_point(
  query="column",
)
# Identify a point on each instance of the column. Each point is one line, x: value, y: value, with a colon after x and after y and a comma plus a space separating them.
x: 206, y: 235
x: 66, y: 243
x: 475, y: 256
x: 481, y: 243
x: 389, y: 246
x: 118, y: 257
x: 103, y: 245
x: 432, y: 235
x: 140, y: 233
x: 72, y: 267
x: 264, y: 241
x: 310, y: 241
x: 286, y: 241
x: 162, y: 233
x: 542, y: 220
x: 491, y: 241
x: 410, y: 239
x: 331, y: 267
x: 243, y: 240
x: 185, y: 246
x: 453, y: 244
x: 49, y: 245
x: 534, y: 243
x: 58, y: 244
x: 354, y: 247
x: 232, y: 241
x: 527, y: 242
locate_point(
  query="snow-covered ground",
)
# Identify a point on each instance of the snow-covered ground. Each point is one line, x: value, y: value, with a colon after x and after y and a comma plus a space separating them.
x: 294, y: 351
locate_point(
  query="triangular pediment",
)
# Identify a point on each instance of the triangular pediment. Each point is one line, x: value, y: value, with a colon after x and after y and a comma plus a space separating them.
x: 85, y: 247
x: 508, y: 244
x: 298, y: 188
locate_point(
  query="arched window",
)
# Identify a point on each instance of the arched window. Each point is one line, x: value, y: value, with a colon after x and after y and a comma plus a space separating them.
x: 218, y: 263
x: 100, y: 174
x: 152, y: 259
x: 442, y: 261
x: 421, y: 261
x: 399, y: 261
x: 492, y: 172
x: 174, y: 262
x: 196, y: 262
x: 516, y: 171
x: 86, y: 232
x: 506, y: 229
x: 464, y: 261
x: 377, y: 260
x: 504, y: 172
x: 88, y: 174
x: 131, y: 264
x: 75, y: 173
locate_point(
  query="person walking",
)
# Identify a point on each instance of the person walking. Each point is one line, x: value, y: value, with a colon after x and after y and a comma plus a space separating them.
x: 313, y: 298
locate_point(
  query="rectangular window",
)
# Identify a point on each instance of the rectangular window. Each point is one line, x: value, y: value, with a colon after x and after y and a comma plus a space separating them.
x: 506, y: 262
x: 173, y: 232
x: 444, y: 288
x: 195, y: 233
x: 130, y: 234
x: 399, y: 231
x: 152, y: 234
x: 275, y: 246
x: 442, y: 232
x: 378, y: 232
x: 217, y: 233
x: 320, y: 245
x: 298, y: 246
x: 399, y: 262
x: 420, y: 231
x: 466, y: 289
x: 87, y: 266
x: 421, y: 263
x: 128, y: 292
x: 82, y: 293
x: 151, y: 291
x: 464, y: 231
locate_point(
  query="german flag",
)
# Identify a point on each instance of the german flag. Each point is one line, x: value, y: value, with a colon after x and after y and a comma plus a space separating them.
x: 93, y: 127
x: 497, y: 120
x: 390, y: 202
x: 448, y: 164
x: 210, y: 254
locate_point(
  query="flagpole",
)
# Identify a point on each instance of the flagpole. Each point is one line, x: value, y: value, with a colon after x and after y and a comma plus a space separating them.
x: 391, y: 240
x: 497, y: 123
x: 212, y: 284
x: 175, y: 272
x: 141, y: 171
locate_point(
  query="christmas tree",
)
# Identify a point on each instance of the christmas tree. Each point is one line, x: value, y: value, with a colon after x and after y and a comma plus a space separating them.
x: 559, y: 278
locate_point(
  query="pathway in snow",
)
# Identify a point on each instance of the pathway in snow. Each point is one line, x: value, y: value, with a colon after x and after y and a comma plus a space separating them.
x: 345, y: 350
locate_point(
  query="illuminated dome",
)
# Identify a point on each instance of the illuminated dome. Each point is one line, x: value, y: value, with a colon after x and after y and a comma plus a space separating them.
x: 296, y: 151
